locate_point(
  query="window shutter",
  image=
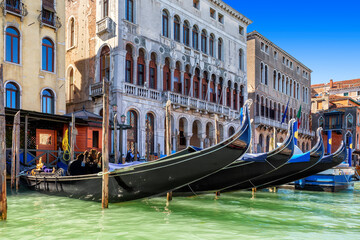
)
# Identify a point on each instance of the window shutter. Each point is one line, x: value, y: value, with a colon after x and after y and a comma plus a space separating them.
x: 49, y: 5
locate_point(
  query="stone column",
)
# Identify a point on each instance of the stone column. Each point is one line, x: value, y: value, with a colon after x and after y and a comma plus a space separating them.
x: 172, y: 70
x: 182, y: 80
x: 147, y: 74
x: 188, y: 137
x: 135, y: 69
x: 200, y: 85
x: 160, y: 77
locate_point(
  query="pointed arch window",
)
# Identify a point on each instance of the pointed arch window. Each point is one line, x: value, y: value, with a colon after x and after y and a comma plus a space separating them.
x: 204, y: 86
x: 141, y: 68
x: 195, y: 38
x: 186, y: 34
x: 105, y: 63
x: 47, y: 55
x: 196, y: 82
x: 132, y: 134
x: 167, y: 76
x: 211, y: 45
x: 203, y: 41
x: 187, y: 81
x: 129, y: 10
x: 72, y: 32
x: 12, y: 95
x: 153, y: 72
x: 48, y: 101
x: 165, y: 24
x: 220, y: 50
x: 71, y: 85
x: 150, y: 136
x: 241, y: 59
x: 12, y: 45
x: 129, y: 65
x: 177, y: 28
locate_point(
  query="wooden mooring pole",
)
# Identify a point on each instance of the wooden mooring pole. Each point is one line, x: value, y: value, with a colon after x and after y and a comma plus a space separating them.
x: 15, y: 156
x: 217, y: 139
x: 72, y: 137
x: 115, y: 140
x: 3, y: 198
x: 105, y: 146
x: 168, y: 137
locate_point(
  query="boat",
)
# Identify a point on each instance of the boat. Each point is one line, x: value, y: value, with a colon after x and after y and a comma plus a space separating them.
x: 244, y: 169
x: 298, y: 164
x: 149, y: 178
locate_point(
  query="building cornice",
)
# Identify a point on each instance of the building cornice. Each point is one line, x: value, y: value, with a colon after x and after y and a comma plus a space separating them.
x: 232, y: 11
x: 257, y: 34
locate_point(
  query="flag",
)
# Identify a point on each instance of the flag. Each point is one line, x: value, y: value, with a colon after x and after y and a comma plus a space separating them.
x: 296, y: 133
x: 329, y: 142
x: 350, y: 151
x: 241, y: 115
x: 298, y: 116
x: 285, y: 113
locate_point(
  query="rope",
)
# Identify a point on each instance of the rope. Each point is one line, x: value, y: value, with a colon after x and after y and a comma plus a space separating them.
x: 66, y: 146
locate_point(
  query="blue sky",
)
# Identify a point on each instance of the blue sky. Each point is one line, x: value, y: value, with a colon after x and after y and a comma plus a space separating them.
x: 323, y: 35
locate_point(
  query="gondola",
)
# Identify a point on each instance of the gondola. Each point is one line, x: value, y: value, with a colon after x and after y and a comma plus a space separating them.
x: 327, y: 162
x: 150, y: 178
x: 292, y: 170
x: 244, y: 169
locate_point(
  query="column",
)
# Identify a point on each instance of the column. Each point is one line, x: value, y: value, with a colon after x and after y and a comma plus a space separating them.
x: 200, y: 85
x: 147, y: 74
x: 182, y: 80
x: 160, y: 77
x: 135, y: 69
x: 188, y: 137
x: 172, y: 70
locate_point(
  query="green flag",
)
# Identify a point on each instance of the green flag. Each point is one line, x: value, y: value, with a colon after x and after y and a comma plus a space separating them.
x: 298, y: 116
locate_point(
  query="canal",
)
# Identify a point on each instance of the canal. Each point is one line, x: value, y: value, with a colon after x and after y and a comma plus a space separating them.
x: 286, y: 214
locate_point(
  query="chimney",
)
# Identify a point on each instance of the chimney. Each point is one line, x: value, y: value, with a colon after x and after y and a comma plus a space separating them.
x: 331, y: 83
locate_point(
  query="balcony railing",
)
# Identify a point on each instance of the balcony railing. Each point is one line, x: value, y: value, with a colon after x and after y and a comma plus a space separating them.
x: 96, y: 89
x: 49, y: 19
x: 142, y: 92
x: 105, y: 25
x: 14, y: 7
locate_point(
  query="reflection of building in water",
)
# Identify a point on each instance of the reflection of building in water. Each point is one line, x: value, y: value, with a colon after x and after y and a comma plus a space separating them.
x: 191, y: 54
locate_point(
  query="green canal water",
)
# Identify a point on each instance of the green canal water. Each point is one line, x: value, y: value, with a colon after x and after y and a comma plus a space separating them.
x: 286, y: 214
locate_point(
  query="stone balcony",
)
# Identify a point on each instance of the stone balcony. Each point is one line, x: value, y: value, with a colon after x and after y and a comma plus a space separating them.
x: 96, y: 90
x: 105, y: 25
x: 259, y: 120
x: 180, y: 100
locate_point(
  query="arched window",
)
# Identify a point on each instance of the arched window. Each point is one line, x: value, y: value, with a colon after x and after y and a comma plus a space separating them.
x: 71, y: 85
x: 266, y: 75
x: 262, y: 107
x: 187, y: 81
x: 228, y: 94
x: 241, y: 59
x: 165, y: 24
x: 212, y: 89
x: 283, y: 84
x: 204, y: 86
x: 235, y: 96
x: 129, y: 10
x: 349, y: 121
x: 12, y: 45
x: 129, y: 65
x: 186, y: 34
x: 12, y: 95
x: 177, y: 78
x: 153, y: 72
x: 47, y: 55
x: 132, y: 134
x: 231, y: 131
x: 177, y: 28
x: 203, y: 41
x: 105, y: 8
x: 195, y: 38
x: 149, y: 133
x: 105, y: 63
x: 261, y: 144
x: 47, y: 101
x: 211, y: 45
x: 287, y: 86
x: 262, y: 72
x: 279, y: 82
x: 303, y: 147
x: 220, y: 50
x: 274, y: 80
x: 220, y: 92
x: 321, y: 122
x: 167, y: 75
x: 267, y: 143
x: 72, y: 33
x: 257, y: 105
x: 307, y: 147
x: 141, y: 68
x: 196, y: 82
x: 241, y: 96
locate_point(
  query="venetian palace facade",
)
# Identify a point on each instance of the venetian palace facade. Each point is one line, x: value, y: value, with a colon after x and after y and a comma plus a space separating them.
x: 33, y: 49
x: 274, y: 79
x: 191, y: 52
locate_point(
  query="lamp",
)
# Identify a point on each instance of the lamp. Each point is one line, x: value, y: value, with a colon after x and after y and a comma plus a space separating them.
x: 114, y: 107
x: 123, y: 117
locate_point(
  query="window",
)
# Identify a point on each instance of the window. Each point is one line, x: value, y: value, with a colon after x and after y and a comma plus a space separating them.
x: 346, y: 94
x: 129, y: 65
x: 177, y: 28
x: 12, y: 45
x: 220, y: 45
x: 262, y: 46
x: 12, y: 95
x: 287, y: 62
x: 105, y: 63
x: 47, y: 55
x: 141, y: 68
x: 196, y: 4
x: 220, y: 18
x: 283, y: 60
x: 211, y: 45
x: 266, y: 75
x: 297, y: 70
x: 167, y: 75
x: 72, y: 33
x: 153, y: 72
x: 349, y: 121
x: 105, y: 8
x: 129, y: 10
x: 241, y: 30
x: 165, y: 24
x: 48, y: 12
x: 266, y: 48
x: 95, y: 139
x: 71, y: 85
x: 212, y: 13
x: 203, y: 41
x: 275, y: 55
x: 186, y: 34
x: 48, y: 101
x: 13, y: 6
x: 291, y: 65
x: 241, y: 59
x: 358, y: 93
x: 195, y: 38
